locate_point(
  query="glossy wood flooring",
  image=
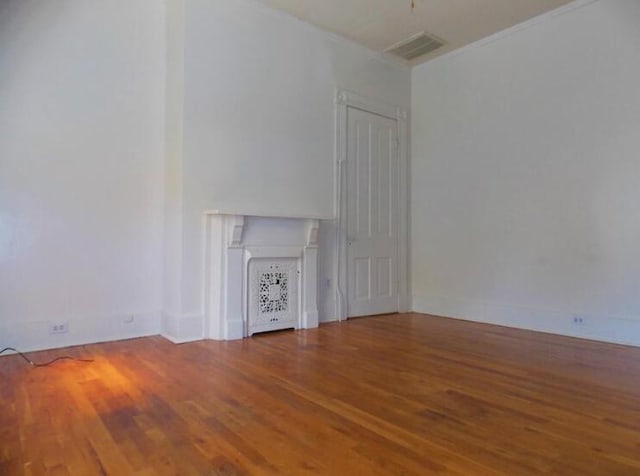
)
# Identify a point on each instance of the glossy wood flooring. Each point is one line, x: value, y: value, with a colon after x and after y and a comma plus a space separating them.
x: 401, y: 394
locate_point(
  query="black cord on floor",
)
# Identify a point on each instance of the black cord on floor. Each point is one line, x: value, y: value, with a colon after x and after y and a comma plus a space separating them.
x: 46, y: 364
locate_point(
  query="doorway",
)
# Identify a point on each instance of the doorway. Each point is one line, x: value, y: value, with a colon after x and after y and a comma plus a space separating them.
x: 372, y: 203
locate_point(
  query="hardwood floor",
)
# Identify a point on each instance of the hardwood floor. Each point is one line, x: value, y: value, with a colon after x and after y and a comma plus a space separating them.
x: 402, y: 394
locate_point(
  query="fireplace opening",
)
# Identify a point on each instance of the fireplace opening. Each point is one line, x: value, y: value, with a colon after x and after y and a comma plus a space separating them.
x: 273, y: 294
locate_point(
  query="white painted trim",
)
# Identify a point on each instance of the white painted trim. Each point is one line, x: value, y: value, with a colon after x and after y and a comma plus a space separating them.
x: 181, y: 328
x: 272, y: 252
x: 327, y: 308
x: 33, y: 335
x: 351, y: 99
x: 614, y: 329
x: 268, y: 215
x: 568, y: 8
x: 226, y: 265
x: 343, y: 100
x: 312, y: 228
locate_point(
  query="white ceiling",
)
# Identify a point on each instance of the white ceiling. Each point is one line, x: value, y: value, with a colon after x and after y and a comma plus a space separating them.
x: 378, y: 24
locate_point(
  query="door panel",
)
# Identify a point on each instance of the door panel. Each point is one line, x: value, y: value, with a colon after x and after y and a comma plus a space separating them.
x: 372, y: 213
x: 363, y: 278
x: 384, y: 277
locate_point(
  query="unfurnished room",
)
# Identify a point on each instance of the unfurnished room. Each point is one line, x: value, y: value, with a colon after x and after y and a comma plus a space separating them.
x: 323, y: 237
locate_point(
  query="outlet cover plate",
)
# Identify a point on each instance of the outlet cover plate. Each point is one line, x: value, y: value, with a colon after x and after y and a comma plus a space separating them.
x: 58, y: 328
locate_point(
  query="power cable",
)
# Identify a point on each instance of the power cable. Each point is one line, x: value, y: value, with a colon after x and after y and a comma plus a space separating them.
x: 45, y: 364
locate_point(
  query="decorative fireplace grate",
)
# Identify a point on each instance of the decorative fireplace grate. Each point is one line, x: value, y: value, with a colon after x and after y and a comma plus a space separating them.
x: 273, y: 294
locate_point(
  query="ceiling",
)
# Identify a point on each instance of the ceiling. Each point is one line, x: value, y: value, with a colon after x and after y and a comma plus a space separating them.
x: 379, y: 24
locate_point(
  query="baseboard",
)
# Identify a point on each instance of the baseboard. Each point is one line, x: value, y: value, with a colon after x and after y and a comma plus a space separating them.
x: 181, y: 328
x: 28, y: 336
x: 327, y: 311
x: 310, y: 320
x: 613, y: 329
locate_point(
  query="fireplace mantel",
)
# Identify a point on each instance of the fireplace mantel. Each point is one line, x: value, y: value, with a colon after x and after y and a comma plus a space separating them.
x: 269, y: 215
x: 239, y: 245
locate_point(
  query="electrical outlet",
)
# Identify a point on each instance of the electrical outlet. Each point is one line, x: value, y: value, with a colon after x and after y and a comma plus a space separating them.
x: 58, y: 328
x: 129, y: 319
x: 578, y: 320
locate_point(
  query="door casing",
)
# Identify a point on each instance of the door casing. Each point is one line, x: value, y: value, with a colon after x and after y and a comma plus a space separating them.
x: 345, y: 99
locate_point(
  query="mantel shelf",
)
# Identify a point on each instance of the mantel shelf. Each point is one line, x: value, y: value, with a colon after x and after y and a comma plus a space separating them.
x: 268, y: 215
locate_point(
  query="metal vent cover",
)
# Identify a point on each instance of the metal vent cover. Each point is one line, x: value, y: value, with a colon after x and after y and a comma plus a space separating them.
x: 417, y: 45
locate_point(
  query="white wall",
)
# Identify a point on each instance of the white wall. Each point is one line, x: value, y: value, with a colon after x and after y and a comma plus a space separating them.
x: 525, y: 176
x: 100, y: 196
x: 174, y: 120
x: 259, y: 125
x: 81, y: 133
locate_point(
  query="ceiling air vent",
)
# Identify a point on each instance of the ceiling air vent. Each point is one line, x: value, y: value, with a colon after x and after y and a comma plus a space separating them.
x: 417, y: 45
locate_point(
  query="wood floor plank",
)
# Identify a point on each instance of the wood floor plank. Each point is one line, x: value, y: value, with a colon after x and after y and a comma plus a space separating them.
x: 399, y: 394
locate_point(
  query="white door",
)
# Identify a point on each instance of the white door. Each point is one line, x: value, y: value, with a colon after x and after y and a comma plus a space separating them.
x: 372, y: 213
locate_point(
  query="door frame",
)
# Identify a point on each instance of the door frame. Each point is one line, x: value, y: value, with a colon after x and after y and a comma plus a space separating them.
x: 343, y: 101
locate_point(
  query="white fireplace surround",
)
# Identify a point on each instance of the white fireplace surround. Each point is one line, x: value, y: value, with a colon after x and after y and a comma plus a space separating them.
x: 233, y: 243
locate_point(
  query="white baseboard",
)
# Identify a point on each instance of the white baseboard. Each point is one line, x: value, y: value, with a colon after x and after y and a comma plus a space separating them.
x: 614, y: 329
x: 28, y: 336
x: 310, y: 320
x: 234, y: 329
x: 181, y: 328
x: 327, y: 311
